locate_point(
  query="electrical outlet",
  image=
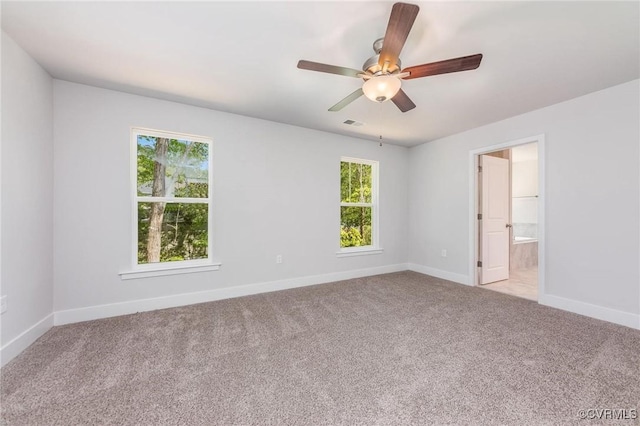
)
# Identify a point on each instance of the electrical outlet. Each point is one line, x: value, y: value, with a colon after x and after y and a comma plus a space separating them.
x: 3, y: 304
x: 443, y: 253
x: 279, y: 258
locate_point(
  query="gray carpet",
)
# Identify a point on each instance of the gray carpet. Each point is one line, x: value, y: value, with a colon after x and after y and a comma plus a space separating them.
x: 393, y: 349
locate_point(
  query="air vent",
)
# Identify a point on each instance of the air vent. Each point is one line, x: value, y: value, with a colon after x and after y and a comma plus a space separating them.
x: 353, y: 123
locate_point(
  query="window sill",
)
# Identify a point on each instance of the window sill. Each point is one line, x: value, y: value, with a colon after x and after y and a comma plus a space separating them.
x: 168, y: 270
x: 359, y: 252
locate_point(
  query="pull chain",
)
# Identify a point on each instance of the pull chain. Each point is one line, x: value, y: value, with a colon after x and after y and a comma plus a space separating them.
x: 380, y: 121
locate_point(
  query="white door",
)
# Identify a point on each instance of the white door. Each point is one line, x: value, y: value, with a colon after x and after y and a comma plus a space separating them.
x: 494, y: 224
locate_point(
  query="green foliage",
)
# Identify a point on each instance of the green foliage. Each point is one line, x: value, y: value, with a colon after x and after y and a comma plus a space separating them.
x: 145, y: 164
x: 355, y: 227
x: 351, y: 237
x: 355, y: 182
x: 185, y: 162
x: 184, y: 233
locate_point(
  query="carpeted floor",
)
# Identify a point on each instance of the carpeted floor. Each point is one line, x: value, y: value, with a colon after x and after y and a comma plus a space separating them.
x: 393, y: 349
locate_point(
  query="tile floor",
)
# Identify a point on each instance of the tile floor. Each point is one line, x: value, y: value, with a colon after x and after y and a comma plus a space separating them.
x: 521, y: 283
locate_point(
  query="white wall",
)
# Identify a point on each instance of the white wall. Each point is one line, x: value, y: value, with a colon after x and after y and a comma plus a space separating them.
x: 524, y: 178
x: 27, y: 199
x: 276, y: 191
x: 592, y: 199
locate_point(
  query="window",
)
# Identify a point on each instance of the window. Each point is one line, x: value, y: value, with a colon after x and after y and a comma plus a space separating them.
x: 358, y: 205
x: 172, y: 196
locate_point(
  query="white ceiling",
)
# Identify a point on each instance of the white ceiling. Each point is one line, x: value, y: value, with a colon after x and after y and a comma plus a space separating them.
x: 241, y: 57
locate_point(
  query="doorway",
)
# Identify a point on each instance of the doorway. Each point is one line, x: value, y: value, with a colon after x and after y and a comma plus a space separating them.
x: 508, y: 218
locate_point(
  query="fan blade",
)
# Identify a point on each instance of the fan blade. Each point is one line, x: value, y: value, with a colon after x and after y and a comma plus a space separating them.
x: 346, y: 101
x: 464, y: 63
x: 331, y: 69
x: 400, y: 22
x: 403, y: 102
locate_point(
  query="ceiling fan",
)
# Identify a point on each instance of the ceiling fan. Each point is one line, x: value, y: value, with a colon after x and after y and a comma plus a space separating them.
x: 382, y: 73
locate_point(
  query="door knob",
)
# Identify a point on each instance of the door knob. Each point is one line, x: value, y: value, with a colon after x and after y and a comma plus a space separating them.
x: 509, y: 225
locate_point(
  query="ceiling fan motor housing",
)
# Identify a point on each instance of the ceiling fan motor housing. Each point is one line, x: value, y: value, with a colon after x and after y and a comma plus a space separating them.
x: 373, y: 67
x: 372, y: 64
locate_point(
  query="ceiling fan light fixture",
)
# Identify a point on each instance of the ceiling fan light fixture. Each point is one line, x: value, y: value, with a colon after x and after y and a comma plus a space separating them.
x: 381, y: 88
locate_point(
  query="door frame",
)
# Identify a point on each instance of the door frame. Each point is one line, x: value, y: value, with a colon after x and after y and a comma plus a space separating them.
x: 473, y: 206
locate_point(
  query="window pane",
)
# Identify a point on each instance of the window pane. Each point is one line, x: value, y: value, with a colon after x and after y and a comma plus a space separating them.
x: 172, y: 167
x: 355, y: 226
x: 170, y: 232
x: 355, y: 182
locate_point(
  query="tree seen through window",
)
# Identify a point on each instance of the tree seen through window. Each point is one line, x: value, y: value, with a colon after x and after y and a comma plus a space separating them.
x: 172, y: 199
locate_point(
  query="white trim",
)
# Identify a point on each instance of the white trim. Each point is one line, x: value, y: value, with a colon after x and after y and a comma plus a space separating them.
x: 473, y: 203
x: 359, y: 251
x: 170, y: 135
x: 135, y: 199
x: 172, y: 200
x: 358, y: 160
x: 374, y: 205
x: 375, y: 200
x: 627, y: 319
x: 343, y: 204
x: 542, y: 236
x: 164, y: 269
x: 29, y: 336
x: 438, y: 273
x: 171, y: 301
x: 14, y: 347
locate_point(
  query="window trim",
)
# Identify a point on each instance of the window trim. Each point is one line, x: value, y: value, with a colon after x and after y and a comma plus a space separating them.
x: 163, y: 270
x: 374, y: 247
x: 180, y: 266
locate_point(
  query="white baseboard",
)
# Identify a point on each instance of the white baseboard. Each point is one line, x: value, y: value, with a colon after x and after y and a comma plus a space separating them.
x: 598, y: 312
x: 594, y: 311
x: 29, y: 336
x: 143, y: 305
x: 438, y: 273
x: 25, y: 339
